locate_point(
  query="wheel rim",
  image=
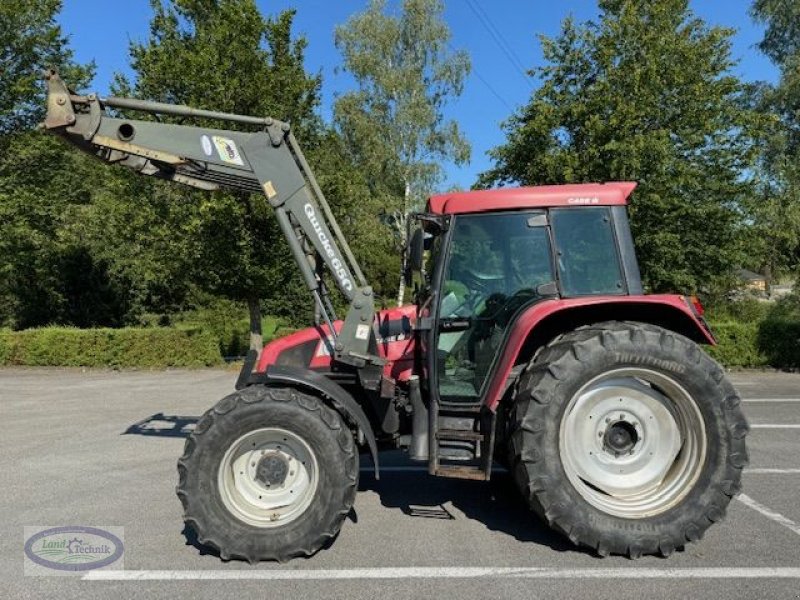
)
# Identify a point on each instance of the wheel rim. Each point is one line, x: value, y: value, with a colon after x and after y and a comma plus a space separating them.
x: 268, y: 477
x: 632, y: 442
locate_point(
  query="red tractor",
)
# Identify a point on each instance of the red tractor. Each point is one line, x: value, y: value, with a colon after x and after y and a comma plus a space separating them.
x: 530, y: 343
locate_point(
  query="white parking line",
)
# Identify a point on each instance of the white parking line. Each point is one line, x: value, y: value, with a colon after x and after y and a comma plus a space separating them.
x: 775, y: 426
x: 759, y: 471
x: 769, y: 513
x: 453, y: 573
x: 770, y: 400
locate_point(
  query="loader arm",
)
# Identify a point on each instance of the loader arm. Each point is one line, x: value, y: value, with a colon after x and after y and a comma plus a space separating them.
x: 268, y: 161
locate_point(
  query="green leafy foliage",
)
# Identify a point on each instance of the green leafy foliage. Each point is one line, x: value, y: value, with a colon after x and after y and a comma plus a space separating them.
x: 346, y: 185
x: 393, y: 123
x: 752, y: 333
x: 645, y: 94
x: 779, y: 339
x: 779, y: 333
x: 737, y: 344
x: 787, y: 307
x: 226, y: 320
x: 88, y: 245
x: 782, y: 36
x: 154, y: 348
x: 746, y: 310
x: 284, y: 331
x: 226, y: 56
x: 138, y: 231
x: 45, y: 275
x: 30, y: 42
x: 775, y: 210
x: 406, y: 74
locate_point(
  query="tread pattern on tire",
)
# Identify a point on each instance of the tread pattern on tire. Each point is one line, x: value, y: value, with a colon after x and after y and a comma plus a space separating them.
x: 264, y: 395
x: 545, y: 485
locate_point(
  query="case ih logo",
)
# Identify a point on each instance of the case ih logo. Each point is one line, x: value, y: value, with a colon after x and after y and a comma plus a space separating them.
x: 584, y: 200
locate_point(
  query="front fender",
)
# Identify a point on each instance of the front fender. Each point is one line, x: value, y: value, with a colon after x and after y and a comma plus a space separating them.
x: 330, y: 390
x: 552, y: 317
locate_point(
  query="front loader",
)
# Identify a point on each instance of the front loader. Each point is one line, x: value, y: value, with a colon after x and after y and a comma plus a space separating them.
x: 530, y: 343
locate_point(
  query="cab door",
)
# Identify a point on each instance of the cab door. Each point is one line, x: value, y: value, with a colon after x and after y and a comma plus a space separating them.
x: 494, y: 266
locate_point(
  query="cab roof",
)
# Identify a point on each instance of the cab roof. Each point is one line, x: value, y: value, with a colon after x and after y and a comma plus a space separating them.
x: 541, y: 196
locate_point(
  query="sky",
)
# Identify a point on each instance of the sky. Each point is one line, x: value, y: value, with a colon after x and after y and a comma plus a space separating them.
x: 501, y: 37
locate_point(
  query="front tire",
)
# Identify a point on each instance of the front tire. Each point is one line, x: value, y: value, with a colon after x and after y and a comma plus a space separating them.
x: 627, y: 438
x: 268, y: 474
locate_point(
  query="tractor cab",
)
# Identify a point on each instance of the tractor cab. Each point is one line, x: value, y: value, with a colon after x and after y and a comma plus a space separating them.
x: 493, y: 255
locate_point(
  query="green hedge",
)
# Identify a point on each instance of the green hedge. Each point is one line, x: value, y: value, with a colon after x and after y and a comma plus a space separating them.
x: 746, y: 310
x: 779, y: 339
x: 231, y: 328
x: 754, y: 333
x: 769, y: 343
x: 737, y: 344
x: 131, y: 347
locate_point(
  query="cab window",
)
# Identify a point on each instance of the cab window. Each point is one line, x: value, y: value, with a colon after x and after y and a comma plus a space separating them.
x: 586, y: 251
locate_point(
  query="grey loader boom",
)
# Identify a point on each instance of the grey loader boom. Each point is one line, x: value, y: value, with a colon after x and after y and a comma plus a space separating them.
x: 268, y: 161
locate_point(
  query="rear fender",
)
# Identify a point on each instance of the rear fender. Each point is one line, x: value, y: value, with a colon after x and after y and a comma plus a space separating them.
x: 331, y: 392
x: 535, y: 326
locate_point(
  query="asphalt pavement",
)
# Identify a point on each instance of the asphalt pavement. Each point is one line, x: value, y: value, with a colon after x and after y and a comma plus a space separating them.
x: 99, y: 448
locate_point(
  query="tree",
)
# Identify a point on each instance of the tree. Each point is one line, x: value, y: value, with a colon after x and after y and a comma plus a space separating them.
x: 45, y: 276
x: 224, y: 55
x: 31, y: 41
x: 776, y: 213
x: 345, y: 184
x: 393, y: 123
x: 138, y: 231
x: 645, y: 94
x: 782, y: 36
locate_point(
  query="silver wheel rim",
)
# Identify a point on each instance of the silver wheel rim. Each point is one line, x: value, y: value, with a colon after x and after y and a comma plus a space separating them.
x: 632, y: 442
x: 268, y: 477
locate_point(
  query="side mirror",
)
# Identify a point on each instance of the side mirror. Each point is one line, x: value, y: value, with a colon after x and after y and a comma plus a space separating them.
x: 416, y: 250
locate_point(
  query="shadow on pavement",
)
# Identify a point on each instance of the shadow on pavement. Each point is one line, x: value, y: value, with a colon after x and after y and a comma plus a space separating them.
x: 497, y: 504
x: 190, y: 535
x: 161, y: 425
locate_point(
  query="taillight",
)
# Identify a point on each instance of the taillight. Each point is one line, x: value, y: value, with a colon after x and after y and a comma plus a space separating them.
x: 697, y: 305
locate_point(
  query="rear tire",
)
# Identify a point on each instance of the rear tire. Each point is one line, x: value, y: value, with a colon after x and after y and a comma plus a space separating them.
x: 268, y: 474
x: 627, y: 438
